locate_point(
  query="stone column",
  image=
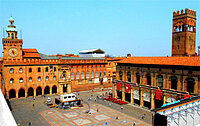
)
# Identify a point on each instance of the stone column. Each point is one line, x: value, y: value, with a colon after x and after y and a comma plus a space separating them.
x: 26, y: 93
x: 16, y: 94
x: 69, y: 88
x: 50, y: 91
x: 179, y: 84
x: 152, y: 99
x: 196, y: 85
x: 132, y: 95
x: 123, y: 92
x: 141, y: 97
x: 164, y: 98
x: 34, y: 92
x: 60, y: 88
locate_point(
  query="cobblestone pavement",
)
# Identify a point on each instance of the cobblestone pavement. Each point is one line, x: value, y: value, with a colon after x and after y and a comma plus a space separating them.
x: 79, y: 117
x: 39, y: 114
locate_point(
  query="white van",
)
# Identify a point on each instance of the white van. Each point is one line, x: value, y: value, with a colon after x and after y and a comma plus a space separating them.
x: 67, y: 97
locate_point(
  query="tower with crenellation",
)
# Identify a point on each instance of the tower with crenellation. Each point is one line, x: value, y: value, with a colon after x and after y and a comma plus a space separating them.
x: 184, y: 33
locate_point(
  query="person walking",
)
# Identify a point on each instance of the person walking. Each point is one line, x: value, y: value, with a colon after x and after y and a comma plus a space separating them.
x: 97, y: 110
x: 122, y: 107
x: 33, y: 105
x: 95, y: 99
x: 134, y: 124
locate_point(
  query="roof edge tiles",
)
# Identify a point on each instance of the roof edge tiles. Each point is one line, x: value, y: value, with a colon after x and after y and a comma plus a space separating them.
x: 175, y: 61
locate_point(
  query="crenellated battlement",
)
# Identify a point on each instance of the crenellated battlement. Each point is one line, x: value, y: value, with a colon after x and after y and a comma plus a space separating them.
x: 50, y: 61
x: 186, y: 11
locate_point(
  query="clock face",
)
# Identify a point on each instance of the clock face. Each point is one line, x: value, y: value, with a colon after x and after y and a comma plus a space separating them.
x: 13, y: 52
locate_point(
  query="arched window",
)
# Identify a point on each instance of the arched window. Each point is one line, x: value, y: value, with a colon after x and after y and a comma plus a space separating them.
x: 92, y: 74
x: 12, y: 36
x: 11, y: 80
x: 100, y: 73
x: 46, y: 69
x: 30, y: 70
x: 97, y: 74
x: 129, y: 76
x: 64, y: 74
x: 190, y: 85
x: 77, y: 75
x: 104, y: 73
x: 88, y: 74
x: 21, y: 80
x: 30, y: 79
x: 54, y: 77
x: 54, y: 69
x: 39, y: 69
x: 82, y: 75
x: 20, y: 70
x: 174, y: 82
x: 47, y: 78
x: 138, y: 78
x: 160, y: 81
x: 148, y: 79
x: 39, y: 78
x: 109, y: 73
x: 72, y: 76
x: 8, y: 34
x: 11, y: 70
x: 120, y: 75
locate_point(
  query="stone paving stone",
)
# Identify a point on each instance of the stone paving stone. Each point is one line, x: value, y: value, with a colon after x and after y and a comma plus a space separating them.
x: 101, y: 117
x: 41, y: 115
x: 82, y: 121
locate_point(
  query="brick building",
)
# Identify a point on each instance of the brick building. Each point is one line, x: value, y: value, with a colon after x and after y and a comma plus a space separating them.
x: 26, y: 72
x: 154, y: 81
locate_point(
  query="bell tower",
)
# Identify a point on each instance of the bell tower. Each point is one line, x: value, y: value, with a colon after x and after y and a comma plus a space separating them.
x: 12, y: 46
x: 184, y: 33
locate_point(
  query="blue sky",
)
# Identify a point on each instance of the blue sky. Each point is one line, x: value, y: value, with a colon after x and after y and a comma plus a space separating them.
x: 139, y: 27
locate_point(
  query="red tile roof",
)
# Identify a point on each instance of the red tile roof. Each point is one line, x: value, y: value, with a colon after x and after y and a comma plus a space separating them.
x: 180, y: 61
x: 30, y: 53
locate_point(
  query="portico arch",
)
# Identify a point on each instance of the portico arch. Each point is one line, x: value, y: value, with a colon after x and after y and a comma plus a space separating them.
x: 190, y: 85
x: 174, y: 81
x: 21, y: 93
x: 12, y: 94
x: 47, y: 90
x: 54, y: 89
x: 30, y: 91
x: 38, y: 91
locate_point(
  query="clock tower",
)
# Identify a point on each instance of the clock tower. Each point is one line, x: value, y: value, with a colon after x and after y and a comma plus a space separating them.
x: 12, y: 46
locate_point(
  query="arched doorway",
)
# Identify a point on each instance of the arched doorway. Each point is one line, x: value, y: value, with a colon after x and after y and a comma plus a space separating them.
x: 129, y: 76
x: 12, y: 93
x: 147, y: 99
x: 138, y: 78
x: 148, y: 79
x: 54, y: 89
x: 38, y: 91
x: 136, y: 96
x: 174, y: 82
x: 21, y: 93
x: 30, y: 91
x: 190, y: 85
x: 47, y: 90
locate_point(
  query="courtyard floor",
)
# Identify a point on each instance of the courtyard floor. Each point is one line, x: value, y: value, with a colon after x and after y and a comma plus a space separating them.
x: 39, y: 114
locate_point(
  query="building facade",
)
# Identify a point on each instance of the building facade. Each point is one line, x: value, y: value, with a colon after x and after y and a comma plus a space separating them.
x: 26, y: 72
x: 153, y: 81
